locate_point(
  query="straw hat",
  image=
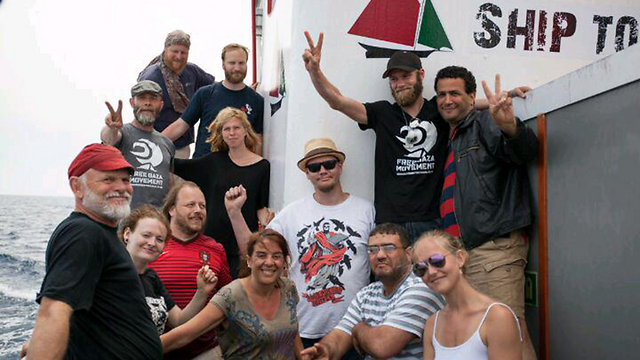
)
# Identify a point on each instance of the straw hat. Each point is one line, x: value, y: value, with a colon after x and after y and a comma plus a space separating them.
x: 320, y: 147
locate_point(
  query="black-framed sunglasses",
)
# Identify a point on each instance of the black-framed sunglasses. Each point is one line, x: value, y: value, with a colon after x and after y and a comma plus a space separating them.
x: 328, y: 165
x: 436, y: 260
x: 387, y: 248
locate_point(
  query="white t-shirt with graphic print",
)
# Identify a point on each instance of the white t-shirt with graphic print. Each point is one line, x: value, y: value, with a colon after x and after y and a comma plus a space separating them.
x: 329, y: 260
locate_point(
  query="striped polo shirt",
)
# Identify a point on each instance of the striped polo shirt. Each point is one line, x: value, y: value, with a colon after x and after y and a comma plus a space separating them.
x: 406, y: 309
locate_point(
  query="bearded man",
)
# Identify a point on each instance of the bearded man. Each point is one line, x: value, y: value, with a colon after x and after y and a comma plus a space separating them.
x: 150, y: 153
x: 185, y: 253
x: 179, y: 80
x: 92, y: 305
x: 209, y: 100
x: 411, y: 139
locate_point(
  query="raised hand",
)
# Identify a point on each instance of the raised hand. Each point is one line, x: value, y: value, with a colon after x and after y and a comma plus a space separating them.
x: 234, y: 198
x: 501, y: 108
x: 206, y: 279
x: 114, y: 118
x: 311, y: 55
x: 265, y: 215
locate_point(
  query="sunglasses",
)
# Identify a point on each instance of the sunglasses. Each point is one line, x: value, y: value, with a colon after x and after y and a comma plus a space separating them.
x: 420, y: 268
x: 328, y: 165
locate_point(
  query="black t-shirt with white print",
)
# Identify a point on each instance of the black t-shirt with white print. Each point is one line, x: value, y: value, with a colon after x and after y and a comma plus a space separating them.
x: 409, y: 160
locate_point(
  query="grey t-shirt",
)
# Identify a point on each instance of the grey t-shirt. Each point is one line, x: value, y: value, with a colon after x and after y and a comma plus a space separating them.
x: 151, y: 154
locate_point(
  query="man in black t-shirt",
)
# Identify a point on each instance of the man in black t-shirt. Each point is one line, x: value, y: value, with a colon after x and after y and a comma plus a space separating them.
x: 411, y: 140
x: 209, y: 100
x: 91, y: 301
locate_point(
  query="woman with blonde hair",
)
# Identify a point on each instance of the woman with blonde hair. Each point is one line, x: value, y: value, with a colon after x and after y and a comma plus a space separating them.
x: 232, y: 162
x: 255, y: 316
x: 472, y: 326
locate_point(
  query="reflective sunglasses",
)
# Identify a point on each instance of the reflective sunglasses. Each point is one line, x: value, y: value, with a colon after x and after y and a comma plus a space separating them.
x: 328, y: 165
x: 421, y: 267
x: 387, y: 248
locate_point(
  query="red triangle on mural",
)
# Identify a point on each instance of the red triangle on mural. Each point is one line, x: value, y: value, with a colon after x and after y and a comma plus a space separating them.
x: 389, y: 20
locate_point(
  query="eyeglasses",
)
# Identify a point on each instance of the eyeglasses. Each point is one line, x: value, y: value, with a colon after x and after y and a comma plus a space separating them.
x: 328, y: 165
x: 420, y: 268
x: 373, y: 249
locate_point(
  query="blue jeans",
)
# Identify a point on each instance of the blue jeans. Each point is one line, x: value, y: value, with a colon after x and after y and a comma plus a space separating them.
x: 417, y: 228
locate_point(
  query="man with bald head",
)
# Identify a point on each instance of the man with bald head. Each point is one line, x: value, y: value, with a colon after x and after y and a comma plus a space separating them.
x: 92, y: 305
x: 179, y: 80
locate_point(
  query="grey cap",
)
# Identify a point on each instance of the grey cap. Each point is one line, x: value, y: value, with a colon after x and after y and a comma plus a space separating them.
x: 146, y: 86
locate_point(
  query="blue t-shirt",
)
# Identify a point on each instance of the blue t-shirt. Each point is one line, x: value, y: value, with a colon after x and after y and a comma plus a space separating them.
x: 209, y: 100
x: 192, y: 78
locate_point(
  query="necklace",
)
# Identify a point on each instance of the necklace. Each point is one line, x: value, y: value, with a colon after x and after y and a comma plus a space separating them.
x: 413, y: 134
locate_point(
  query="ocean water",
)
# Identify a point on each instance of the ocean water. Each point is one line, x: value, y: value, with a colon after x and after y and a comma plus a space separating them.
x: 26, y: 223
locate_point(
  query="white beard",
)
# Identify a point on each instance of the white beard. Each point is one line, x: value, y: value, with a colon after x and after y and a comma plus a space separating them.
x: 100, y: 206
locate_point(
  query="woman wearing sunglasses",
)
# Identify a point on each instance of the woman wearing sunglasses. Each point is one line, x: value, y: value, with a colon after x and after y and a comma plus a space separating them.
x: 232, y: 162
x: 471, y: 326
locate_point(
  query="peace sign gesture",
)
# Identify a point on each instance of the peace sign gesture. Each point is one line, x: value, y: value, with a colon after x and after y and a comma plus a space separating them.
x: 114, y: 119
x: 501, y: 108
x: 311, y: 55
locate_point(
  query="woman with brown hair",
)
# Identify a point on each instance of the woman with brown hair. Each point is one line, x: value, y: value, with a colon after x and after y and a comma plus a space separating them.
x: 255, y: 315
x: 144, y: 233
x: 232, y: 162
x: 471, y: 326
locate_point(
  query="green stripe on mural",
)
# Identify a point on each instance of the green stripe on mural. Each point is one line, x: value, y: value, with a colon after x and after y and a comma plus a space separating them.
x: 432, y: 33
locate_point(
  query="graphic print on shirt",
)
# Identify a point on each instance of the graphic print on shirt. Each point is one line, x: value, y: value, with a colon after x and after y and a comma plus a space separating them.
x: 326, y: 247
x: 418, y: 138
x: 247, y: 109
x: 158, y: 309
x: 149, y: 155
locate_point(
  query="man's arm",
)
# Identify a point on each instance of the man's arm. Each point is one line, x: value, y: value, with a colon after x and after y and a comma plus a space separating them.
x: 111, y: 133
x: 350, y: 107
x: 234, y: 198
x: 518, y: 91
x: 382, y: 341
x: 51, y: 332
x: 206, y: 281
x: 176, y: 129
x: 522, y: 144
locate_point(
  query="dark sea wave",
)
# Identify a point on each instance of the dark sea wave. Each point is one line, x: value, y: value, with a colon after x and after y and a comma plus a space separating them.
x: 25, y: 226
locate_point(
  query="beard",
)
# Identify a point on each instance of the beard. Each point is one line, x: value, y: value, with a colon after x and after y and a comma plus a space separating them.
x: 408, y: 98
x: 235, y: 77
x: 395, y: 274
x: 189, y: 228
x: 144, y: 117
x: 99, y: 204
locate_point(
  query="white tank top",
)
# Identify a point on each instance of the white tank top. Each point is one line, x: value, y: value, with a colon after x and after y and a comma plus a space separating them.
x: 473, y: 348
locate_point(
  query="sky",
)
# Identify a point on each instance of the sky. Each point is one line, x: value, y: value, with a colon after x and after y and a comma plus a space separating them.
x: 61, y: 60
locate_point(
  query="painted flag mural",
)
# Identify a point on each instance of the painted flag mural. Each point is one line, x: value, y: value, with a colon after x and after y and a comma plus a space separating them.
x: 411, y: 23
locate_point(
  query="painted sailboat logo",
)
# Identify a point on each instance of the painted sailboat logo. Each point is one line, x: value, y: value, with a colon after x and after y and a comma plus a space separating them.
x: 392, y: 25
